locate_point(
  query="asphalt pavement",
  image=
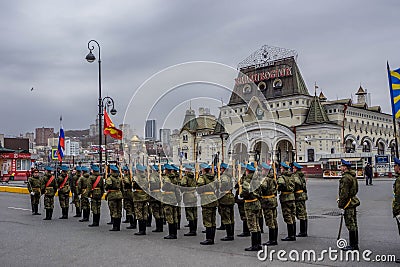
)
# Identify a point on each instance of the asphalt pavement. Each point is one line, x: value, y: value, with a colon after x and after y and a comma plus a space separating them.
x: 27, y: 240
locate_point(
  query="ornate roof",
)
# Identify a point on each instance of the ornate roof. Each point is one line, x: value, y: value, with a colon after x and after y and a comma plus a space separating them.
x: 316, y: 113
x: 265, y: 55
x: 361, y: 91
x: 322, y: 97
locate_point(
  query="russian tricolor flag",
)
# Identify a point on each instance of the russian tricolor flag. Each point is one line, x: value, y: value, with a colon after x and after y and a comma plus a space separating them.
x: 61, y: 144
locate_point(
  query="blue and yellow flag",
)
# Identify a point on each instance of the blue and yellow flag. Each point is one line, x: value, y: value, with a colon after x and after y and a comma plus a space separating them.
x: 394, y: 87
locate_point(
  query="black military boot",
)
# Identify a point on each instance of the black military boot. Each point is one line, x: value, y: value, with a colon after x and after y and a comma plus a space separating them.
x: 294, y: 230
x: 62, y: 213
x: 85, y: 217
x: 142, y: 228
x: 47, y: 215
x: 78, y: 213
x: 111, y: 222
x: 192, y: 231
x: 37, y: 210
x: 229, y: 233
x: 66, y: 213
x: 149, y: 220
x: 127, y: 219
x: 130, y: 220
x: 303, y: 228
x: 222, y: 227
x: 172, y: 231
x: 96, y: 219
x: 50, y: 214
x: 114, y: 228
x: 272, y: 238
x: 261, y: 224
x: 33, y: 209
x: 255, y: 238
x: 210, y: 234
x: 246, y: 231
x: 291, y: 236
x: 159, y: 226
x: 353, y: 236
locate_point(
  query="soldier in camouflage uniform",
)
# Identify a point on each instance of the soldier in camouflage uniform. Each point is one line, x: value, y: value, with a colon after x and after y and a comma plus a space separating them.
x: 128, y: 198
x: 49, y: 189
x: 34, y: 187
x: 269, y: 203
x: 141, y: 198
x: 286, y: 197
x: 95, y: 185
x: 63, y: 191
x: 252, y: 206
x: 155, y: 199
x: 114, y: 196
x: 226, y: 202
x: 206, y: 187
x: 169, y: 201
x: 396, y: 195
x: 348, y: 201
x: 83, y: 192
x: 240, y: 203
x: 178, y: 195
x: 300, y: 195
x: 188, y: 185
x: 74, y: 190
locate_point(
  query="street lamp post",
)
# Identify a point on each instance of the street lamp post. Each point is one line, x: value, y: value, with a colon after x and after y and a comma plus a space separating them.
x: 109, y: 102
x: 91, y: 58
x: 223, y: 137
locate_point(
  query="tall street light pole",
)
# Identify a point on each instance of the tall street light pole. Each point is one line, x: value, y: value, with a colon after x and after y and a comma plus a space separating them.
x: 109, y: 102
x: 91, y: 58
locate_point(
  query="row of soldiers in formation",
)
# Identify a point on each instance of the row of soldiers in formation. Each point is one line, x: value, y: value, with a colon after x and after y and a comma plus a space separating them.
x: 162, y: 189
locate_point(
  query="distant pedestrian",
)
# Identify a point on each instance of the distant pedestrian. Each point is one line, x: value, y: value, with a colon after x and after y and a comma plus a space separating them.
x: 368, y: 174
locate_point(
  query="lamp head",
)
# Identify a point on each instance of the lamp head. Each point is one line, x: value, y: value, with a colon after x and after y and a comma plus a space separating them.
x: 113, y: 111
x: 90, y: 57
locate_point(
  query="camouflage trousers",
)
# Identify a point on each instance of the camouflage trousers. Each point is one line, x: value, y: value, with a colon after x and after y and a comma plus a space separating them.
x: 141, y: 210
x: 85, y: 203
x: 209, y: 216
x: 128, y: 206
x: 242, y: 213
x: 227, y: 214
x: 252, y: 216
x: 35, y: 199
x: 289, y: 211
x: 156, y: 209
x: 350, y: 219
x: 64, y: 200
x: 191, y: 213
x: 270, y: 216
x: 95, y: 205
x: 301, y: 211
x: 171, y: 214
x: 75, y: 200
x: 48, y: 202
x: 115, y: 207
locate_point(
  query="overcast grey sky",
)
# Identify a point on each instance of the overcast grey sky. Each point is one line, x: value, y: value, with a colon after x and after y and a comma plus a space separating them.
x: 44, y: 43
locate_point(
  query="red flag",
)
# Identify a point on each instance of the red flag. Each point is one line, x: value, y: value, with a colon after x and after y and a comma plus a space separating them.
x: 110, y: 129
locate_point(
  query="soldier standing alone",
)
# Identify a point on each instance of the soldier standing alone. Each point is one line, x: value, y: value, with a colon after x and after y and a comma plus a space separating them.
x: 49, y: 188
x: 300, y: 194
x: 63, y: 191
x: 34, y: 187
x: 287, y: 199
x: 348, y: 201
x: 114, y: 197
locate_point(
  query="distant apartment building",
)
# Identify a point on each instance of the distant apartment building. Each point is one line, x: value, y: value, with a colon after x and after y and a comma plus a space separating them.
x: 42, y: 134
x: 150, y: 132
x: 165, y: 136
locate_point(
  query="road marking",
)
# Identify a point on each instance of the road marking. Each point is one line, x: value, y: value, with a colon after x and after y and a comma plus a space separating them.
x: 14, y: 208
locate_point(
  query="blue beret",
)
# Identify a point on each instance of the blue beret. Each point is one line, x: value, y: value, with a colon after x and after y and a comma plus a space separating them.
x: 140, y: 167
x: 114, y: 168
x: 162, y: 167
x: 396, y: 161
x: 155, y: 167
x: 64, y: 168
x: 265, y: 166
x: 284, y: 165
x: 345, y: 162
x: 78, y: 168
x: 95, y: 168
x: 250, y: 168
x: 48, y: 168
x: 205, y: 166
x: 188, y: 167
x: 298, y: 166
x: 175, y: 168
x: 224, y: 165
x: 168, y: 167
x: 84, y: 169
x: 125, y: 168
x: 242, y: 165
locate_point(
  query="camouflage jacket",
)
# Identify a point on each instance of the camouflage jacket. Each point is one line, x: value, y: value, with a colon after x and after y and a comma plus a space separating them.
x: 300, y: 186
x: 251, y: 191
x: 127, y: 186
x: 168, y: 188
x: 286, y: 186
x: 155, y: 186
x: 51, y: 189
x: 74, y: 182
x: 268, y: 192
x: 225, y: 190
x: 396, y: 196
x: 348, y: 189
x: 63, y: 188
x: 188, y: 184
x: 82, y: 185
x: 206, y: 187
x: 140, y: 184
x: 97, y: 192
x: 34, y: 185
x: 113, y: 186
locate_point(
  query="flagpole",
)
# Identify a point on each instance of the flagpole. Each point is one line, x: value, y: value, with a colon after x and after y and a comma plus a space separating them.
x: 393, y: 110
